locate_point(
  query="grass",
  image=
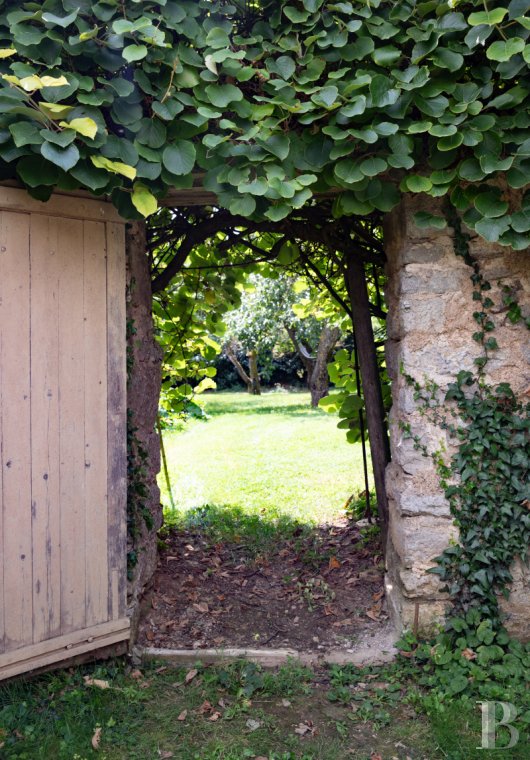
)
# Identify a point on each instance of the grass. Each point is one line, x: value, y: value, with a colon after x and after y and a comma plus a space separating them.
x: 271, y: 454
x: 232, y: 712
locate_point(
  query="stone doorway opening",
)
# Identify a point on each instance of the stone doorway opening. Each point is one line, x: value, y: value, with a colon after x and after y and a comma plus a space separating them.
x: 429, y: 334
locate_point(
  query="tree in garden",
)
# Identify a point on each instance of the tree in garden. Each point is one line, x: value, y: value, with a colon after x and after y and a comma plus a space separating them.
x: 274, y: 312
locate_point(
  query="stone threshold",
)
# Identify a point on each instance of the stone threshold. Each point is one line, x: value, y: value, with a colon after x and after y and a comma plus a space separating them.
x: 376, y: 650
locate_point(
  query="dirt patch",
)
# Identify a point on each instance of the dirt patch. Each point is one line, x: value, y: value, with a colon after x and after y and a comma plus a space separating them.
x: 317, y: 595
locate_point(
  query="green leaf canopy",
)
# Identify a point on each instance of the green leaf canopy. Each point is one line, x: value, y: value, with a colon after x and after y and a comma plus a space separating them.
x: 367, y: 99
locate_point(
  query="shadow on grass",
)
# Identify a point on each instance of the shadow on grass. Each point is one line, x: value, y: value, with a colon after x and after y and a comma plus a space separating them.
x: 268, y: 403
x: 255, y: 534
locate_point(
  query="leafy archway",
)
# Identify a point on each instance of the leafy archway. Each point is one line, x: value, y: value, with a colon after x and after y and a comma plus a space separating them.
x: 335, y: 255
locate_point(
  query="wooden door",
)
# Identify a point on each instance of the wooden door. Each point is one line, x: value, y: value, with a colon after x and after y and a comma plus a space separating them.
x: 62, y: 429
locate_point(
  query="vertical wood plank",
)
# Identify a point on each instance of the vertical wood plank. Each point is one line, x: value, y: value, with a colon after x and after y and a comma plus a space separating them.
x: 117, y: 419
x: 95, y: 340
x: 45, y: 428
x: 16, y: 428
x: 72, y: 411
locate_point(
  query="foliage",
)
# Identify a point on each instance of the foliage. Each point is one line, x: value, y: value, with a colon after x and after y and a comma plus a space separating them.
x: 348, y: 402
x: 189, y: 322
x: 138, y: 513
x: 272, y: 105
x: 275, y: 312
x: 268, y: 307
x: 486, y: 485
x: 151, y: 711
x: 286, y: 371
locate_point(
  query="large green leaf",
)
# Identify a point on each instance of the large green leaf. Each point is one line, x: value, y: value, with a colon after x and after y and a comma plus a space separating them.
x: 64, y: 158
x: 179, y: 157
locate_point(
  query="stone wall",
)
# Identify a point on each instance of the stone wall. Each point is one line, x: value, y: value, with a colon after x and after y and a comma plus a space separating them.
x: 143, y: 392
x: 430, y: 329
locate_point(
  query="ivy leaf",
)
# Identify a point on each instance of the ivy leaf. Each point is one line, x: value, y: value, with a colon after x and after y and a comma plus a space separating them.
x: 64, y: 21
x: 143, y: 200
x: 326, y: 96
x: 114, y: 167
x: 244, y: 205
x: 415, y: 183
x: 221, y: 95
x: 489, y: 205
x: 36, y: 170
x: 152, y: 133
x: 370, y: 167
x: 488, y: 18
x: 502, y: 51
x: 217, y: 38
x: 424, y: 219
x: 134, y: 53
x: 295, y: 15
x: 64, y: 158
x: 84, y: 126
x: 278, y: 145
x: 349, y: 171
x: 492, y: 229
x: 285, y: 66
x: 179, y: 157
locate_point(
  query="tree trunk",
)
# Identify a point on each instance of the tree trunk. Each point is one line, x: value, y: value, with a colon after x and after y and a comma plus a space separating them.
x: 250, y: 382
x: 373, y: 397
x: 143, y: 393
x: 319, y: 379
x: 255, y: 387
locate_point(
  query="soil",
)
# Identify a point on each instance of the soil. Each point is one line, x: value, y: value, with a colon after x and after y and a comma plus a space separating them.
x: 326, y: 594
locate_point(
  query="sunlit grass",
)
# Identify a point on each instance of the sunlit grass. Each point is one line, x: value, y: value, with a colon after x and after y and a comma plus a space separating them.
x: 270, y: 454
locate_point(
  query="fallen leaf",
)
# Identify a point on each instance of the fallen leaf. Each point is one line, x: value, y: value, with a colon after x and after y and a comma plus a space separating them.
x: 374, y: 612
x: 136, y: 674
x: 469, y: 654
x: 183, y: 715
x: 306, y: 727
x: 334, y: 563
x: 375, y: 756
x: 252, y: 724
x: 165, y: 754
x: 204, y: 708
x: 96, y: 739
x: 190, y: 675
x: 201, y: 607
x: 379, y: 595
x: 96, y: 682
x: 215, y: 716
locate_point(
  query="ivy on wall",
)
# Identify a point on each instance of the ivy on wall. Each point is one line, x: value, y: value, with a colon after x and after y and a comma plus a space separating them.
x: 486, y: 484
x: 271, y: 105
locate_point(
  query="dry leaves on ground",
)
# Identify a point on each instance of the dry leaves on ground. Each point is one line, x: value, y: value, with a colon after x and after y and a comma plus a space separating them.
x: 97, y: 682
x: 96, y: 738
x: 305, y: 728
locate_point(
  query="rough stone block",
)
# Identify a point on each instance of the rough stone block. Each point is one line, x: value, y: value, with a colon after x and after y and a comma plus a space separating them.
x: 418, y: 540
x: 516, y: 608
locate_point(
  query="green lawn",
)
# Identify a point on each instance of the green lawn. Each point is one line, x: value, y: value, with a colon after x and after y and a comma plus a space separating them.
x: 236, y: 712
x: 270, y: 454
